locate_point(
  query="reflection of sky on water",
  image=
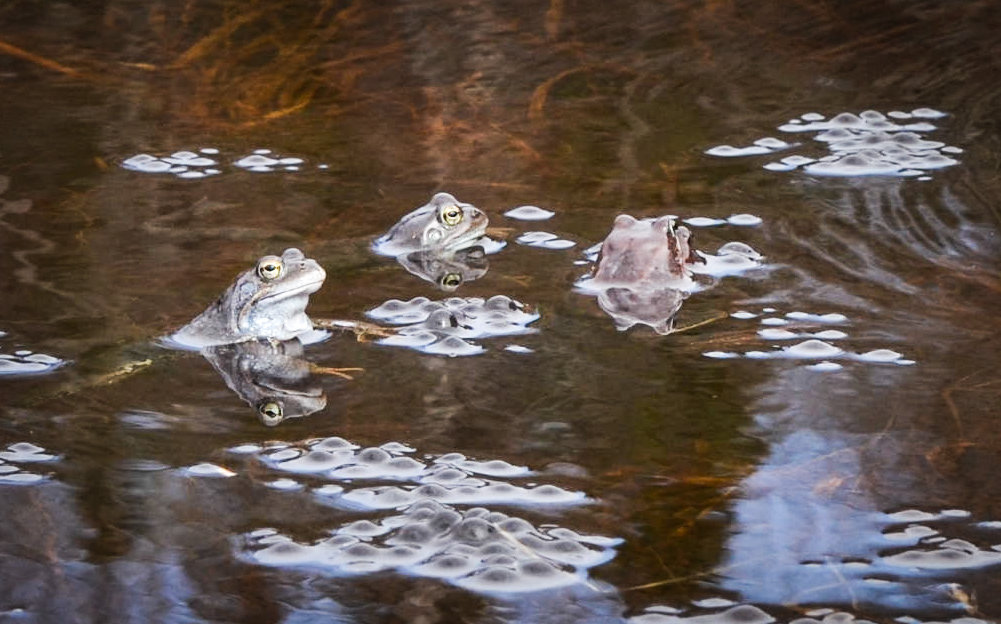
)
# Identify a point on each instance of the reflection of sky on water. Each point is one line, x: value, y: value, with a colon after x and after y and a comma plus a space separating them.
x: 812, y: 525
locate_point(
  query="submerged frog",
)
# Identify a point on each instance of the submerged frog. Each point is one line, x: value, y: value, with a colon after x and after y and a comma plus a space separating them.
x: 643, y: 273
x: 267, y: 301
x: 442, y: 225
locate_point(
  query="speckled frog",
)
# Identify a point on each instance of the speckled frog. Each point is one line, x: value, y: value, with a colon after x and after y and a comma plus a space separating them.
x: 267, y: 301
x: 442, y: 225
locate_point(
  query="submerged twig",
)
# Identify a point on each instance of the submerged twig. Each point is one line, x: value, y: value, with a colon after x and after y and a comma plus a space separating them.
x: 21, y: 53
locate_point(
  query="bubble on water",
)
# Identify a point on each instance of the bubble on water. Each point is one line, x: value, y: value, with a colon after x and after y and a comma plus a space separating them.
x: 713, y: 603
x: 777, y: 334
x: 704, y: 222
x: 880, y: 355
x: 262, y: 151
x: 928, y: 113
x: 744, y: 220
x: 721, y: 355
x: 733, y: 258
x: 285, y: 484
x: 26, y: 452
x: 911, y: 515
x: 913, y: 533
x: 744, y: 315
x: 245, y: 449
x: 811, y: 116
x: 256, y: 162
x: 778, y: 166
x: 209, y: 150
x: 774, y: 321
x: 209, y: 470
x: 544, y: 240
x: 20, y: 478
x: 899, y: 114
x: 831, y: 334
x: 950, y: 554
x: 514, y: 348
x: 832, y: 318
x: 26, y: 362
x: 529, y: 213
x: 813, y: 349
x: 825, y: 366
x: 290, y: 161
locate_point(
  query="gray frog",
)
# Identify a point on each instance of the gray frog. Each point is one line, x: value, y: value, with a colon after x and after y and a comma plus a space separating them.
x: 443, y: 225
x: 268, y: 301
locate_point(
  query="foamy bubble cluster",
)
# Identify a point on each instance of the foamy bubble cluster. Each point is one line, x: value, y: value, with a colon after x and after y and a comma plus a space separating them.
x: 25, y: 362
x: 814, y: 343
x: 529, y: 213
x: 22, y: 453
x: 446, y: 327
x: 867, y: 144
x: 745, y: 220
x: 544, y: 240
x: 207, y: 162
x: 481, y: 550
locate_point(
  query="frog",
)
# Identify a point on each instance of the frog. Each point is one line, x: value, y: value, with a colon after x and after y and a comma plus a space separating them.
x: 441, y: 226
x: 267, y: 301
x: 646, y: 251
x: 643, y: 273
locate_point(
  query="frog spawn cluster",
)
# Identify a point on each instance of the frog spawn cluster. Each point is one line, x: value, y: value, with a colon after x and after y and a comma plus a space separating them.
x: 440, y: 528
x: 447, y: 327
x: 813, y: 338
x: 207, y: 162
x: 867, y: 144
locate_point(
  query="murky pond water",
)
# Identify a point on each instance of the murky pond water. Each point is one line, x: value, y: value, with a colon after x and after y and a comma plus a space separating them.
x: 804, y: 425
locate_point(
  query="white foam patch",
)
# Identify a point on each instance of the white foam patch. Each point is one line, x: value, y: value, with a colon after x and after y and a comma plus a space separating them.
x: 446, y: 327
x: 867, y: 144
x: 514, y: 348
x: 953, y: 554
x: 766, y: 145
x: 529, y: 213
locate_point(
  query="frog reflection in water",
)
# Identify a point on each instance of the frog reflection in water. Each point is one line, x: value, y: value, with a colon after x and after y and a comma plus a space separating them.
x: 253, y: 335
x: 643, y: 274
x: 441, y: 242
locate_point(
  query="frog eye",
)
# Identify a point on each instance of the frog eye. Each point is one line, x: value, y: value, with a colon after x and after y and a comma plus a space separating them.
x: 269, y: 269
x: 450, y: 281
x: 450, y: 215
x: 271, y: 413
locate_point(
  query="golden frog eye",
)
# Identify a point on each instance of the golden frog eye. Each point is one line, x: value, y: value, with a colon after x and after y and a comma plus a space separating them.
x: 450, y: 215
x: 451, y: 281
x: 271, y: 413
x: 269, y: 269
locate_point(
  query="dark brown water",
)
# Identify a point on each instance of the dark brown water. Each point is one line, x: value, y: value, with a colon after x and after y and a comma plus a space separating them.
x: 647, y: 476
